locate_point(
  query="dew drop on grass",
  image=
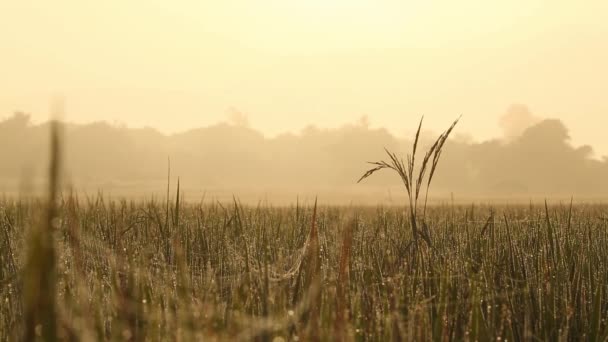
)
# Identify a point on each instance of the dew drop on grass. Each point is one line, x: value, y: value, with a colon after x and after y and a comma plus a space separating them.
x: 126, y: 334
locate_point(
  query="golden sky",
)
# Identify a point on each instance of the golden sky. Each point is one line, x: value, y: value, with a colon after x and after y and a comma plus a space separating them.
x: 289, y: 63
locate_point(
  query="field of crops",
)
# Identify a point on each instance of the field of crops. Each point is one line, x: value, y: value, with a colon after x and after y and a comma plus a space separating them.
x: 92, y: 269
x: 117, y: 270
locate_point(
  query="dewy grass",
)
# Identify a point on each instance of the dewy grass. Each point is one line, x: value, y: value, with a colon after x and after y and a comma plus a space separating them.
x: 115, y: 270
x: 263, y: 272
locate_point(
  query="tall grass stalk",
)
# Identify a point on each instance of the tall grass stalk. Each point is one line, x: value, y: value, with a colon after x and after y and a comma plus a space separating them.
x: 413, y: 183
x: 39, y: 276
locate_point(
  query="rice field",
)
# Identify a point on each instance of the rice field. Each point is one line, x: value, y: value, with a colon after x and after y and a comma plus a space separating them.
x: 164, y: 270
x: 82, y: 268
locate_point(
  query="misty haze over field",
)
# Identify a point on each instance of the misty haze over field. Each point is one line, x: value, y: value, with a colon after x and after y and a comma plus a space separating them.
x: 533, y: 158
x: 303, y: 170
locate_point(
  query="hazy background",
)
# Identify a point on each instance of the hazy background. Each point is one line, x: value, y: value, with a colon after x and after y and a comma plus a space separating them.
x: 175, y: 65
x: 533, y: 159
x: 287, y: 64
